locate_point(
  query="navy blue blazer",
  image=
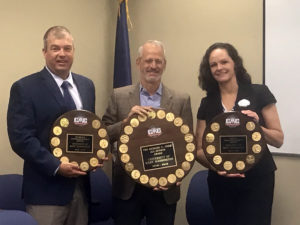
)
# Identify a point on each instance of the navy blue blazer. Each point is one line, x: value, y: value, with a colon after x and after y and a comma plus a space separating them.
x: 35, y: 103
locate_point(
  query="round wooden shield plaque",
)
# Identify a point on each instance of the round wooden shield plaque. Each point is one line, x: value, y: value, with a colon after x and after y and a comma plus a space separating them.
x: 79, y: 137
x: 157, y: 149
x: 233, y: 142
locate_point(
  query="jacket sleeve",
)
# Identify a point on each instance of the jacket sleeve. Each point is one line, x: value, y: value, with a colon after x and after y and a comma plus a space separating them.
x: 22, y: 132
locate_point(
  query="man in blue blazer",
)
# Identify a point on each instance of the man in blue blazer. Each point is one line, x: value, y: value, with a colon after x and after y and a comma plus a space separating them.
x: 54, y: 192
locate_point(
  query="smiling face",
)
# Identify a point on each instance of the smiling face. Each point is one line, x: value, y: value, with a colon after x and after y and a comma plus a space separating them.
x: 221, y: 66
x: 151, y: 63
x: 59, y: 54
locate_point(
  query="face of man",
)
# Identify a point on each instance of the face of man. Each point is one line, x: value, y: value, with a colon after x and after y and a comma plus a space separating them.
x: 59, y: 54
x: 151, y: 64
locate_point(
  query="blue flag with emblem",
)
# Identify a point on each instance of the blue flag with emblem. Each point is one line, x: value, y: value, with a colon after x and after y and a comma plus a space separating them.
x: 122, y: 66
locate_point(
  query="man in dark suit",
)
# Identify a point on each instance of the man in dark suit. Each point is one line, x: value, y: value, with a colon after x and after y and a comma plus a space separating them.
x: 54, y: 192
x: 133, y: 201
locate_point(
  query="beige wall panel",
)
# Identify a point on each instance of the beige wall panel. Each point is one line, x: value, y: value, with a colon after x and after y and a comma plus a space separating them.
x: 186, y: 27
x: 23, y: 24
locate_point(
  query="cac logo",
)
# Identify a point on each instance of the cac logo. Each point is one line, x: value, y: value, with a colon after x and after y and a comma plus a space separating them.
x: 154, y: 132
x: 81, y: 121
x: 232, y: 121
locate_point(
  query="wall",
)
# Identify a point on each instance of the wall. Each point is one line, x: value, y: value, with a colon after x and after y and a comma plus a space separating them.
x: 23, y: 24
x: 186, y: 27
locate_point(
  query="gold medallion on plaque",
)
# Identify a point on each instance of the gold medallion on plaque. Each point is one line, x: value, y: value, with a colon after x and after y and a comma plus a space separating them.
x: 250, y: 125
x: 189, y: 138
x: 125, y: 158
x: 129, y: 167
x: 135, y: 174
x: 189, y: 157
x: 142, y: 118
x: 124, y: 139
x: 190, y: 147
x: 179, y: 173
x: 217, y: 159
x: 152, y: 114
x: 57, y: 152
x: 227, y: 165
x: 57, y: 130
x: 64, y: 122
x: 123, y: 148
x: 186, y: 166
x: 215, y: 127
x: 76, y: 137
x: 256, y: 148
x: 240, y: 165
x: 64, y: 159
x: 211, y: 149
x: 55, y: 141
x: 128, y: 130
x: 161, y: 114
x: 210, y: 137
x: 153, y: 181
x: 162, y: 181
x: 102, y: 133
x: 84, y: 166
x: 171, y: 178
x: 184, y: 129
x: 96, y: 124
x: 94, y: 162
x: 250, y: 159
x: 101, y: 154
x: 256, y: 136
x: 134, y: 122
x: 103, y: 143
x: 178, y: 121
x: 144, y: 179
x: 158, y: 150
x: 170, y: 117
x: 233, y: 141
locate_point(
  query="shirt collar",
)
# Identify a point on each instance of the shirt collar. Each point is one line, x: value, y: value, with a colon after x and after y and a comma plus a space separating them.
x: 158, y: 91
x: 59, y: 80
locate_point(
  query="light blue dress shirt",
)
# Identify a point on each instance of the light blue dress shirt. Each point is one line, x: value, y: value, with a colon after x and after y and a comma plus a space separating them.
x: 150, y: 100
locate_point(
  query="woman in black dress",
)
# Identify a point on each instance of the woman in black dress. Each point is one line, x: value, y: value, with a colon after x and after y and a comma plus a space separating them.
x: 238, y: 199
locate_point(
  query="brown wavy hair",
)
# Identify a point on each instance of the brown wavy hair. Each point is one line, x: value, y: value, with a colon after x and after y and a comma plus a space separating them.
x: 205, y: 78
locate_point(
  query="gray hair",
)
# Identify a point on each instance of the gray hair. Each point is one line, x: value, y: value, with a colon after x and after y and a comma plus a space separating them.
x: 58, y: 32
x: 154, y: 42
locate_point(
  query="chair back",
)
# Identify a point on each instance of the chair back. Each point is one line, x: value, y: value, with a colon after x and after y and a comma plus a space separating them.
x: 100, y: 209
x: 16, y: 217
x: 11, y: 192
x: 198, y: 207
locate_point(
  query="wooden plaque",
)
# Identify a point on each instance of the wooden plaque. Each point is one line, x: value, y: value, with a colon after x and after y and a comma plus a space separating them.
x: 79, y: 137
x: 233, y: 142
x: 158, y: 149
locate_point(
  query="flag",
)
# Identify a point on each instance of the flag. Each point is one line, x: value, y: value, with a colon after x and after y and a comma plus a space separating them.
x: 122, y: 66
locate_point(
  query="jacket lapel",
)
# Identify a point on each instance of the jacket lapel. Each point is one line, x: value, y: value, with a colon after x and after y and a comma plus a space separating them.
x: 166, y: 99
x: 52, y: 87
x: 134, y: 96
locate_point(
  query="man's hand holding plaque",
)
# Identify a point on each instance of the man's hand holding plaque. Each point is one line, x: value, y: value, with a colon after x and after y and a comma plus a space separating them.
x: 156, y: 149
x: 80, y: 138
x: 233, y: 142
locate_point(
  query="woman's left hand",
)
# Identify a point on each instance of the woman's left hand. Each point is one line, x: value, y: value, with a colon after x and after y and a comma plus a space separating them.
x: 233, y: 175
x: 251, y: 114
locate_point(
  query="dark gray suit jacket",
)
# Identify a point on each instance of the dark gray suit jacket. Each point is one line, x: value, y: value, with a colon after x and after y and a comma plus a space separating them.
x: 120, y: 104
